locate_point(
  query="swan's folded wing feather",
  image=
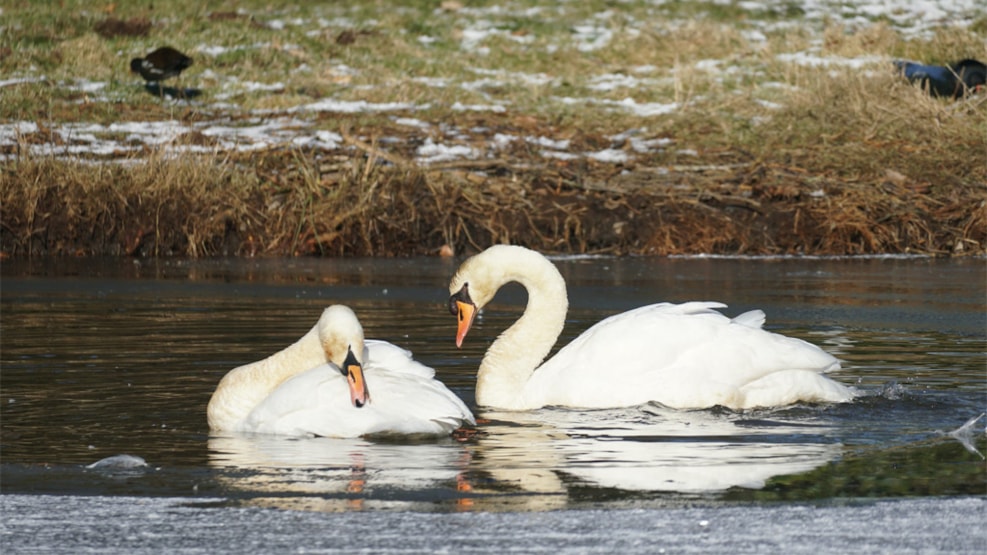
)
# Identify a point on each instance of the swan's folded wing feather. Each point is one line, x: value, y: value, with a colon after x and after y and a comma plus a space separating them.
x: 381, y: 354
x: 752, y: 319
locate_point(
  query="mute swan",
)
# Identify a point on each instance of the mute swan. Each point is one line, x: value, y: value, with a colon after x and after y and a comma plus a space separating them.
x: 683, y: 356
x: 332, y: 382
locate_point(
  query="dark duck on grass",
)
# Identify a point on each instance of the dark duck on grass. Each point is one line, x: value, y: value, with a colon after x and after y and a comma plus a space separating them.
x: 163, y: 63
x: 953, y: 81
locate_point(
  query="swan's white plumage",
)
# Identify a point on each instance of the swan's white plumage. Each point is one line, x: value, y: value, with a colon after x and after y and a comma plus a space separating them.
x: 681, y: 355
x: 300, y: 390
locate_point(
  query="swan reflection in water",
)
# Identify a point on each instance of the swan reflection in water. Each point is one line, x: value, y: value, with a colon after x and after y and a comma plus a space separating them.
x: 684, y: 452
x: 526, y: 460
x: 333, y: 474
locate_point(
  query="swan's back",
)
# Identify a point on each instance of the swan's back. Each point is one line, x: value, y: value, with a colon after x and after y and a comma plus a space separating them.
x: 684, y: 356
x: 401, y: 403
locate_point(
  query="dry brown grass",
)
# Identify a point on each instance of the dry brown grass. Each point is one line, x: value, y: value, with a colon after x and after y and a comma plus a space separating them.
x: 845, y: 161
x: 303, y: 203
x: 154, y: 207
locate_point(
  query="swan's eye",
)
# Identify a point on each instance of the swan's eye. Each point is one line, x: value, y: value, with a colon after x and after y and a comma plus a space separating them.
x: 462, y: 296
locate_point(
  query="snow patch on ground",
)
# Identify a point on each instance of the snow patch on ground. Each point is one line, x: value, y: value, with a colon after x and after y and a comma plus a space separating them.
x: 629, y: 91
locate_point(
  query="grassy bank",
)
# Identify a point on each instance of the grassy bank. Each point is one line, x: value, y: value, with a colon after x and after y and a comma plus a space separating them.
x: 385, y: 129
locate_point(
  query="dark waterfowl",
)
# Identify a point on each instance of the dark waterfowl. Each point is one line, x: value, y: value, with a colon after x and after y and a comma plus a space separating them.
x: 955, y: 80
x: 163, y: 63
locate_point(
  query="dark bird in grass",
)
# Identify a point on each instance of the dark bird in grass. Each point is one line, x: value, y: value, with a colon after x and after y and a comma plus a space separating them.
x: 952, y: 81
x: 163, y: 63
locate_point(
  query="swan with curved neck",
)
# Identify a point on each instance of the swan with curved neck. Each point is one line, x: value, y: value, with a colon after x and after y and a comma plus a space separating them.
x: 681, y: 355
x: 332, y: 382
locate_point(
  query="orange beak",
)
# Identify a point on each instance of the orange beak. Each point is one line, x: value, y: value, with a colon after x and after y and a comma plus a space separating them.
x: 465, y: 313
x: 359, y: 394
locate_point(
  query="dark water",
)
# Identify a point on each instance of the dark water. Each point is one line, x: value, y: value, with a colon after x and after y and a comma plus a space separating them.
x: 109, y: 357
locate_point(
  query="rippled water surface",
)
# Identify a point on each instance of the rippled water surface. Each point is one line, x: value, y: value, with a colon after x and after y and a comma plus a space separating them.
x: 102, y: 358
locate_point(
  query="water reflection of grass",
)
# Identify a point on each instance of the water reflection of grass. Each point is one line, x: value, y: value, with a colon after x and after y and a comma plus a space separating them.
x: 939, y: 467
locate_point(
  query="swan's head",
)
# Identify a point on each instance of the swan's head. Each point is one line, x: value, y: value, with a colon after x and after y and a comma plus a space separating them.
x: 480, y: 276
x: 341, y: 336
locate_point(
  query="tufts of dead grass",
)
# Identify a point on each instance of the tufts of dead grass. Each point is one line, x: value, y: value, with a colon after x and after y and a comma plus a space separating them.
x: 296, y: 203
x: 156, y: 207
x: 88, y: 51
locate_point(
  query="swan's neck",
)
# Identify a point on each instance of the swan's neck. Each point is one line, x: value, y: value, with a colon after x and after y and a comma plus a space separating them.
x: 244, y: 388
x: 514, y: 356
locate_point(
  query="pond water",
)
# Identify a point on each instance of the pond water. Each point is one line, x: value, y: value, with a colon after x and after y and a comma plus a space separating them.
x: 110, y: 357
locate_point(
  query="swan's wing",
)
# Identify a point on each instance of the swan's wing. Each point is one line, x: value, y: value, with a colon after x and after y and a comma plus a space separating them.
x: 413, y: 404
x: 404, y: 388
x: 652, y: 336
x: 317, y: 402
x: 381, y: 354
x: 686, y: 355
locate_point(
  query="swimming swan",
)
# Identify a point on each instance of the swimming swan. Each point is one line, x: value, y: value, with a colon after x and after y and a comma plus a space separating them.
x: 332, y: 382
x: 683, y: 356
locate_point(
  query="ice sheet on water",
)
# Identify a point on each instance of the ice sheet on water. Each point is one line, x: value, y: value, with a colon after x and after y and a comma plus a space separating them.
x: 119, y: 462
x: 144, y: 525
x: 965, y: 434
